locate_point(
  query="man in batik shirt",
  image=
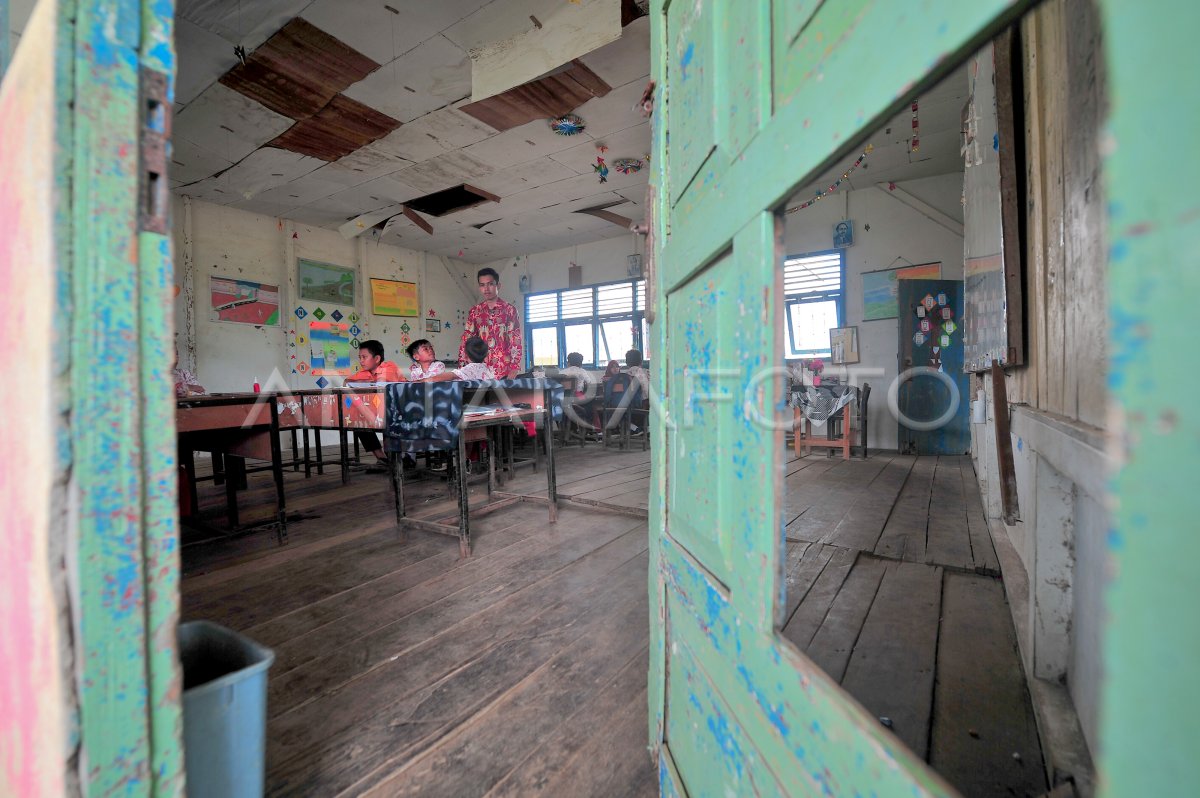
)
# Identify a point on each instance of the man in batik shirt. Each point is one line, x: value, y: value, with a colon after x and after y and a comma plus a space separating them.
x: 496, y: 322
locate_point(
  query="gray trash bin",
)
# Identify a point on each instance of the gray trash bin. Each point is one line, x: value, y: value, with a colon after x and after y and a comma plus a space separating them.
x: 224, y: 711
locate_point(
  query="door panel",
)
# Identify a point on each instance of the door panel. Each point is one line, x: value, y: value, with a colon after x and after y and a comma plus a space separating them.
x: 735, y: 709
x: 931, y: 343
x: 692, y: 52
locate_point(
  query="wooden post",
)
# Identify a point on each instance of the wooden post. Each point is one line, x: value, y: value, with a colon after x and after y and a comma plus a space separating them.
x: 1004, y: 455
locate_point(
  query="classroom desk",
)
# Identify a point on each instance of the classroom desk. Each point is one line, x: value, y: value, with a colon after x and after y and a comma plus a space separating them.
x: 237, y: 425
x: 824, y: 402
x: 417, y: 421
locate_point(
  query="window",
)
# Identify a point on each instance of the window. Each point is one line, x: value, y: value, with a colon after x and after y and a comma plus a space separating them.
x: 601, y: 322
x: 814, y: 301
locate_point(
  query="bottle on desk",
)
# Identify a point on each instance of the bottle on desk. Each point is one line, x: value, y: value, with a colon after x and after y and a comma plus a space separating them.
x: 257, y: 388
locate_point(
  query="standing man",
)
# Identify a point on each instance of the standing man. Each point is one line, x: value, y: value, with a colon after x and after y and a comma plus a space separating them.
x: 496, y: 322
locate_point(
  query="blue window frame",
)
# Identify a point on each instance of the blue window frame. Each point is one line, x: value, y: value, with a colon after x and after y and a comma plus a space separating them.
x: 602, y: 322
x: 814, y: 289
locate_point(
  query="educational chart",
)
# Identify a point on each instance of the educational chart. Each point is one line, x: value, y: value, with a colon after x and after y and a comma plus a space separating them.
x: 324, y: 282
x: 243, y: 302
x: 880, y: 288
x: 330, y: 349
x: 394, y: 298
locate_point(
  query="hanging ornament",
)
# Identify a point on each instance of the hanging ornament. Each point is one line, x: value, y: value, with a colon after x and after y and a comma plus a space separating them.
x: 567, y: 125
x: 821, y: 194
x: 628, y: 166
x: 601, y: 168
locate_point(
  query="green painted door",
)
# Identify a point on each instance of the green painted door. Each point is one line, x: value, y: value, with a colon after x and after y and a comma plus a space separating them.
x: 752, y: 98
x: 85, y: 128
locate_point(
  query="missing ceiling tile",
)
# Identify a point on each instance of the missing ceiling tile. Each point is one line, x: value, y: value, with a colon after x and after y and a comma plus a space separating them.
x: 441, y: 203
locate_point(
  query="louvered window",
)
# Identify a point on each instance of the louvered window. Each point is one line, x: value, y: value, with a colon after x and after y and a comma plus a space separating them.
x: 814, y: 298
x: 601, y: 322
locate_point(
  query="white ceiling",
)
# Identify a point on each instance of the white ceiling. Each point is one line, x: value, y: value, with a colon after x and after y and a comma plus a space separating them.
x: 425, y: 76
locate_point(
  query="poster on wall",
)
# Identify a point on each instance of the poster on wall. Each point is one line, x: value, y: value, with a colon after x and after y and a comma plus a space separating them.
x: 324, y: 282
x: 243, y: 302
x: 393, y: 298
x: 880, y: 290
x: 329, y: 345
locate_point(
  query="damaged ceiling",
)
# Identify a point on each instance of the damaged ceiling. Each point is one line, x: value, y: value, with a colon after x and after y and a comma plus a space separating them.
x: 349, y: 115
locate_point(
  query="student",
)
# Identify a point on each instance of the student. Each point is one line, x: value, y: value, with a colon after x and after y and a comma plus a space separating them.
x: 186, y: 383
x: 612, y: 370
x: 374, y: 369
x: 633, y: 367
x: 476, y: 350
x: 425, y: 360
x: 586, y: 387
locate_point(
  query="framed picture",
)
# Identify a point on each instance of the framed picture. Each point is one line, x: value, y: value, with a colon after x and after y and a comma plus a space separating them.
x: 880, y: 291
x: 843, y: 234
x: 393, y: 298
x: 243, y: 302
x: 433, y: 325
x: 324, y: 282
x: 843, y: 345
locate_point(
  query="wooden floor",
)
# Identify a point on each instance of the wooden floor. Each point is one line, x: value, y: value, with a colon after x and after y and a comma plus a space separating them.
x: 402, y: 670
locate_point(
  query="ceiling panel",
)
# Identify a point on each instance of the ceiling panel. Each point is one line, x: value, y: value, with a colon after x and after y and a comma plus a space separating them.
x: 337, y: 130
x: 203, y: 56
x: 523, y: 144
x: 268, y: 168
x: 298, y: 70
x: 523, y: 177
x: 443, y: 172
x: 246, y: 23
x: 432, y: 75
x: 632, y: 142
x: 614, y: 112
x: 190, y: 162
x: 435, y: 134
x: 359, y: 167
x: 228, y: 124
x: 545, y: 98
x: 626, y: 59
x: 381, y: 35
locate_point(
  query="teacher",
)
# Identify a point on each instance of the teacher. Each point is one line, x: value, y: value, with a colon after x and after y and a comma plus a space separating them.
x: 497, y: 323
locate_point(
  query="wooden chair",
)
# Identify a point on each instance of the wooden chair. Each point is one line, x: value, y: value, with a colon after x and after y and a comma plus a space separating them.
x: 622, y: 403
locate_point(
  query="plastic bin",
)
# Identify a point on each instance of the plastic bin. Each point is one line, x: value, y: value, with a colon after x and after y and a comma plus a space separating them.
x: 224, y: 711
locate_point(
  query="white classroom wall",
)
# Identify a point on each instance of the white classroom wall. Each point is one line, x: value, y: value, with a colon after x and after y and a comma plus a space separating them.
x: 217, y: 240
x: 899, y: 235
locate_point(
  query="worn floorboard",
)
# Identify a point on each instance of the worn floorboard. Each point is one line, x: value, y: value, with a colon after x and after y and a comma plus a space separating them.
x: 985, y: 739
x: 403, y: 670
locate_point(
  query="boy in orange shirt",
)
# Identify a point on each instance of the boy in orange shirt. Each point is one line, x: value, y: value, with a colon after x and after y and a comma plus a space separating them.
x: 374, y: 369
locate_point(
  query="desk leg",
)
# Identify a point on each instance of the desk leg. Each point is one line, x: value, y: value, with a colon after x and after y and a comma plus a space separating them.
x: 345, y: 456
x: 295, y: 452
x: 277, y: 472
x: 187, y: 459
x: 307, y: 455
x: 493, y: 436
x: 551, y: 485
x: 796, y: 422
x: 464, y: 521
x: 235, y: 471
x: 396, y: 471
x: 846, y: 432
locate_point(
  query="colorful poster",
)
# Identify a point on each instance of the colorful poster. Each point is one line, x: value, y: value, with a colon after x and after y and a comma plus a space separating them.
x: 243, y: 302
x: 393, y: 298
x: 880, y: 292
x: 324, y: 282
x: 330, y: 349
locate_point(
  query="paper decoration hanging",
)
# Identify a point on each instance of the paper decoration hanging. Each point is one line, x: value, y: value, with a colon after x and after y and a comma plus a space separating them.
x: 601, y: 168
x: 567, y: 125
x: 916, y: 128
x: 835, y: 184
x: 628, y: 166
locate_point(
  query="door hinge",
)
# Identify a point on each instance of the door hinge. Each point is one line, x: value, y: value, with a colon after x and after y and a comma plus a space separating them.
x: 154, y: 135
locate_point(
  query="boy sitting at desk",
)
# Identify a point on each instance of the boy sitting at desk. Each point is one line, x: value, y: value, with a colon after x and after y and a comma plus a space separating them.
x: 476, y: 349
x: 425, y: 362
x: 374, y: 369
